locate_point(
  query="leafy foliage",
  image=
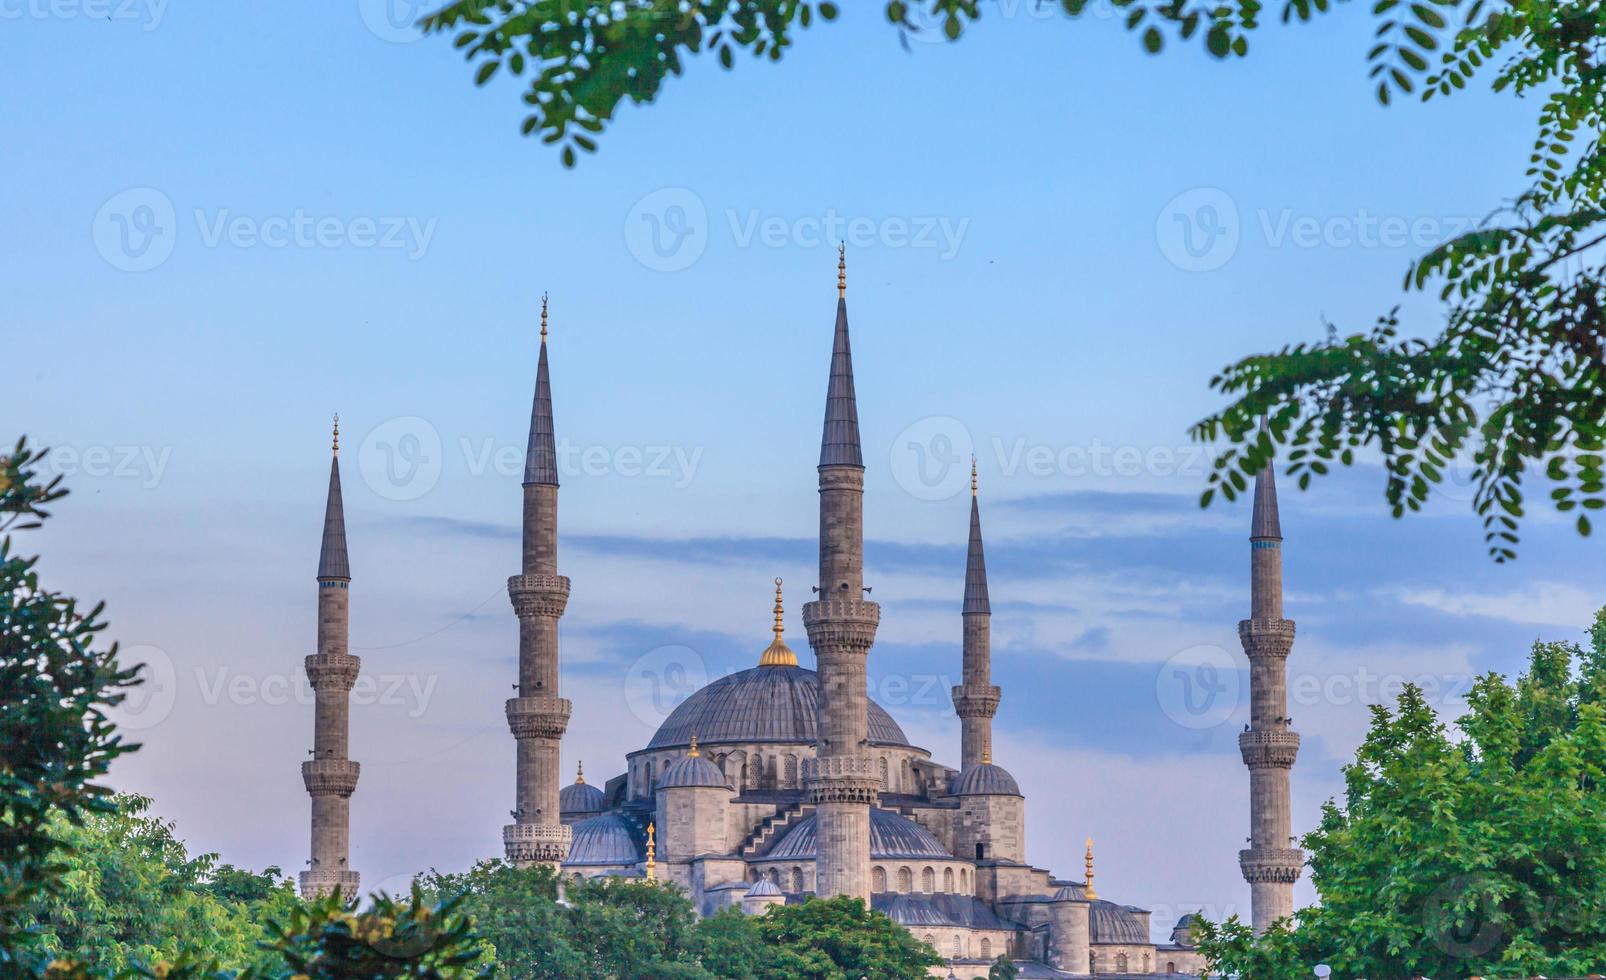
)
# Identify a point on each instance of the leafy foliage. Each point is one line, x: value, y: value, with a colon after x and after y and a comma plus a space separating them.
x: 130, y: 893
x: 840, y: 938
x: 1475, y: 853
x: 326, y: 940
x: 55, y: 737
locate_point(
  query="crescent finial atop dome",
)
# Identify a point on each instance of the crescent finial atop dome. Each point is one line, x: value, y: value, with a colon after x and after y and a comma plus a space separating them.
x: 778, y: 654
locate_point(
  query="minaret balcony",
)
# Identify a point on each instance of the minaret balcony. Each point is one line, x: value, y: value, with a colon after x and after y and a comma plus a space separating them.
x: 1279, y: 865
x: 542, y: 716
x: 841, y: 622
x: 1266, y: 637
x: 332, y: 669
x: 976, y: 700
x: 842, y: 779
x: 538, y: 595
x: 318, y: 882
x: 529, y: 843
x: 1268, y: 749
x: 330, y: 777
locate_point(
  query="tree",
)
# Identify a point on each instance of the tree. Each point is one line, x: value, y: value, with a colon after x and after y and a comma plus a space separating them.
x: 55, y: 737
x: 1475, y: 853
x: 130, y: 893
x: 1517, y: 377
x: 326, y: 939
x: 839, y: 938
x: 1001, y: 969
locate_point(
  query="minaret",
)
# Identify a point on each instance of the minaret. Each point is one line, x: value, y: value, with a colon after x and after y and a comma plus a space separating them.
x: 329, y: 776
x: 842, y: 779
x: 976, y: 699
x: 1271, y: 863
x: 538, y: 717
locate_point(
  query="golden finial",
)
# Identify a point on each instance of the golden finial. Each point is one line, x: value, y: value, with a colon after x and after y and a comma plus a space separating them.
x: 842, y: 268
x: 693, y: 750
x: 652, y: 865
x: 1091, y: 894
x: 973, y: 474
x: 580, y: 775
x: 778, y: 654
x: 987, y: 756
x: 337, y: 434
x: 543, y: 318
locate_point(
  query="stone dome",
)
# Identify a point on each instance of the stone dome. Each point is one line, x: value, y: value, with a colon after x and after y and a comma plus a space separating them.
x: 580, y: 797
x: 763, y: 888
x: 891, y: 836
x: 692, y: 771
x: 984, y: 779
x: 606, y: 840
x: 1071, y: 893
x: 761, y: 704
x: 1108, y: 922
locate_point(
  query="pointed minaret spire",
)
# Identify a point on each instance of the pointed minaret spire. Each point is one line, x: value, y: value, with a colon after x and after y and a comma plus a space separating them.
x: 839, y: 444
x: 538, y: 717
x: 976, y: 699
x: 842, y: 779
x: 1271, y: 864
x: 541, y: 455
x: 329, y: 776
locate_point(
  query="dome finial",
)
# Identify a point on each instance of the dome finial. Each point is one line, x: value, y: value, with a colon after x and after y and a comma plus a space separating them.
x: 1091, y: 894
x: 692, y: 752
x: 842, y: 269
x: 778, y: 654
x: 580, y: 774
x: 652, y: 865
x: 543, y: 318
x: 337, y: 434
x: 987, y: 756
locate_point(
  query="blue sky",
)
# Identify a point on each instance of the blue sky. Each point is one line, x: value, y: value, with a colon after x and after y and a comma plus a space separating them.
x: 226, y: 222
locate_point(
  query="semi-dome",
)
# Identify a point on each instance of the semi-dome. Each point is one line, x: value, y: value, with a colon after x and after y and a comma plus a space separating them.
x: 1108, y: 922
x: 984, y: 779
x: 761, y: 704
x: 606, y: 840
x: 581, y: 797
x: 763, y: 888
x: 1071, y: 893
x: 692, y: 771
x: 891, y: 836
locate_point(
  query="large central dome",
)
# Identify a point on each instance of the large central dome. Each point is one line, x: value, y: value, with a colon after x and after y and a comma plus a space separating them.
x: 763, y: 704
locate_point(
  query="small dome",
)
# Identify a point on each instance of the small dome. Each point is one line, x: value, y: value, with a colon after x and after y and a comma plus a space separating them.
x: 763, y: 888
x: 1108, y: 922
x: 1182, y: 933
x: 1071, y: 893
x: 984, y: 779
x: 606, y: 840
x: 891, y: 836
x: 581, y: 797
x: 691, y: 771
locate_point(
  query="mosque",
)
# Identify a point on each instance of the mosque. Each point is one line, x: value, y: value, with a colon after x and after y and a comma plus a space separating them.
x: 779, y: 783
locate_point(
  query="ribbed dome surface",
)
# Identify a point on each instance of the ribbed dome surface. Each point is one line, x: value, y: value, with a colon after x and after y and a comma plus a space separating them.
x: 984, y: 779
x: 608, y: 839
x: 1108, y: 922
x: 692, y: 771
x: 580, y: 798
x: 1074, y: 893
x: 762, y: 704
x: 763, y: 888
x: 891, y: 836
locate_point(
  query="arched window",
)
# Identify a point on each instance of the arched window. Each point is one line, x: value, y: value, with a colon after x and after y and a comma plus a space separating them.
x: 755, y: 772
x: 1170, y: 966
x: 986, y: 949
x: 791, y: 772
x: 929, y: 940
x: 1120, y: 962
x: 964, y: 880
x: 775, y: 877
x: 883, y: 772
x: 878, y: 880
x: 958, y: 950
x: 928, y: 880
x: 906, y: 880
x: 981, y: 851
x: 797, y: 880
x: 947, y: 879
